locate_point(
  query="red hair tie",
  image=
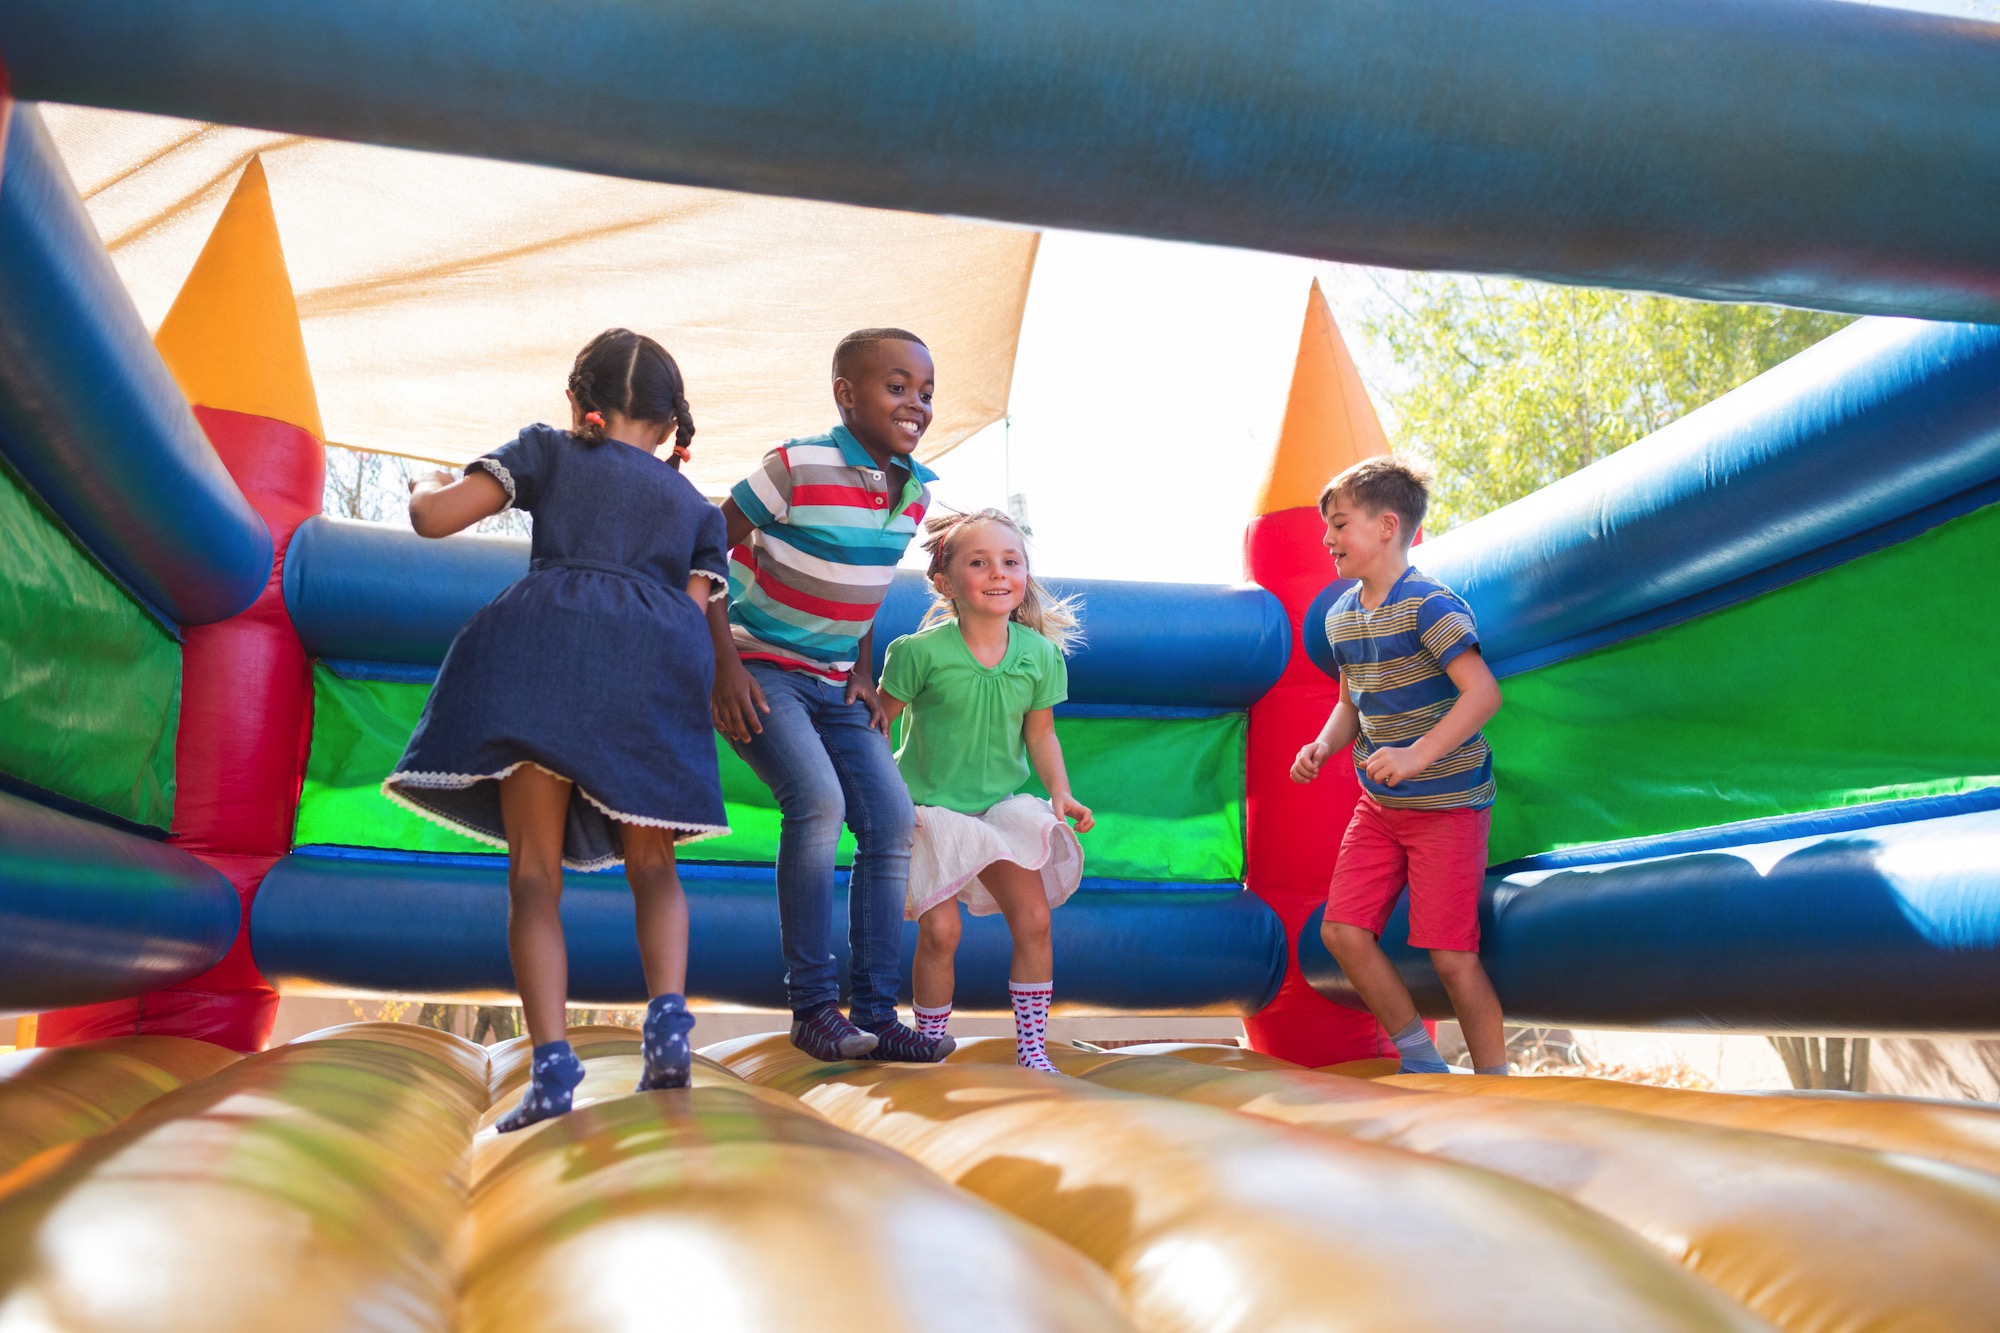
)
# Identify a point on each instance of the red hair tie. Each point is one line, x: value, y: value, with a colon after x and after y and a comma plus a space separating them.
x: 681, y: 452
x: 594, y: 419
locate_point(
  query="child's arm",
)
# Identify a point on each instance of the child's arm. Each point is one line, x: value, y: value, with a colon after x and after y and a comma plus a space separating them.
x: 1045, y: 753
x: 1343, y: 724
x: 1478, y: 701
x: 442, y: 503
x: 736, y: 699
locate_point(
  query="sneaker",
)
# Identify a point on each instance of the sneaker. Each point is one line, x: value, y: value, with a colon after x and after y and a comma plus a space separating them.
x: 552, y: 1080
x: 894, y: 1041
x: 824, y: 1033
x: 669, y: 1057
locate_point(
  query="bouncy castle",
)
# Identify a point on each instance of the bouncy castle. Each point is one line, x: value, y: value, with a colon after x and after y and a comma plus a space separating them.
x: 1750, y: 772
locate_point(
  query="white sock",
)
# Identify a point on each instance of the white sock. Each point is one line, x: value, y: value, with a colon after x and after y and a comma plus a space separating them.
x: 1031, y: 1023
x: 932, y: 1022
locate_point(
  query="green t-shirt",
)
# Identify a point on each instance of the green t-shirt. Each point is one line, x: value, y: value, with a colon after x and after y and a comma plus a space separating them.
x: 962, y: 745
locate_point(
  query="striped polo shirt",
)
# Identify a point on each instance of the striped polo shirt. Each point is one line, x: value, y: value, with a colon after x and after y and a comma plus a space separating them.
x: 827, y: 534
x: 1392, y: 660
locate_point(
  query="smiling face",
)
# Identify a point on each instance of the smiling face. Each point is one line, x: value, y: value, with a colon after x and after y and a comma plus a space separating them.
x: 986, y: 571
x: 884, y: 395
x: 1364, y: 542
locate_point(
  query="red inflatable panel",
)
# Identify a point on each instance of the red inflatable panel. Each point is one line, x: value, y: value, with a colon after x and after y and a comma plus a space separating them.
x: 1293, y: 832
x: 246, y: 721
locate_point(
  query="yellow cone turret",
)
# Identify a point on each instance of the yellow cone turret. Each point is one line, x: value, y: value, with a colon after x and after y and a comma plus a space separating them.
x: 232, y: 337
x: 1329, y: 422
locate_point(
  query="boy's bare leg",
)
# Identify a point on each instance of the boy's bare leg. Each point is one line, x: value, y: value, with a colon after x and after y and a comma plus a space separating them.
x: 935, y: 975
x: 533, y: 804
x: 1370, y: 972
x: 1477, y: 1007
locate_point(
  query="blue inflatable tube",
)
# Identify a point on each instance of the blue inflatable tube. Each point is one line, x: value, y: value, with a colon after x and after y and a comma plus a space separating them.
x: 1890, y: 929
x: 1792, y: 151
x: 408, y: 924
x: 365, y: 592
x: 91, y: 419
x: 89, y: 914
x: 1886, y: 428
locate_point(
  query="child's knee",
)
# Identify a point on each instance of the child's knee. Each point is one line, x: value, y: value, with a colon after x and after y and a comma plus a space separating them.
x: 1454, y: 965
x: 1341, y: 937
x: 938, y: 929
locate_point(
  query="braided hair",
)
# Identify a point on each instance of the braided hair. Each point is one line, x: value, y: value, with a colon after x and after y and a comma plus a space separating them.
x: 626, y: 372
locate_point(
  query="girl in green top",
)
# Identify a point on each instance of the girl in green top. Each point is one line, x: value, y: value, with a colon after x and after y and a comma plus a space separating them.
x: 981, y: 680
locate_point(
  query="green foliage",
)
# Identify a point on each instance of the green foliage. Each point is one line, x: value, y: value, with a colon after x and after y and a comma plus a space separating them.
x: 1516, y: 384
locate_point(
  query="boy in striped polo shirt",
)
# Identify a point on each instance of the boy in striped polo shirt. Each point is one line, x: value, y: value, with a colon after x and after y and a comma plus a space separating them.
x: 1414, y: 693
x: 815, y: 534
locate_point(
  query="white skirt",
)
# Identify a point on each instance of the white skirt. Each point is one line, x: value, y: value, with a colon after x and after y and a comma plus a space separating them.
x: 952, y: 848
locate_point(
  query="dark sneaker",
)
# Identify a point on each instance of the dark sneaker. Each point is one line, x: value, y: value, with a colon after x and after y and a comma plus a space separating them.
x: 824, y: 1033
x: 894, y: 1041
x: 669, y: 1057
x: 552, y: 1080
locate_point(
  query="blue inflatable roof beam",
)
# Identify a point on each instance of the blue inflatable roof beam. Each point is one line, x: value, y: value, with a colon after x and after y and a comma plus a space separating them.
x: 90, y: 417
x: 89, y: 914
x: 366, y: 592
x: 1889, y: 929
x: 1882, y: 430
x: 437, y: 926
x: 1841, y: 156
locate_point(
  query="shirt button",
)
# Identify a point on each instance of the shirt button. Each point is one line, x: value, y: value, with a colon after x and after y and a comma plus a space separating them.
x: 881, y: 500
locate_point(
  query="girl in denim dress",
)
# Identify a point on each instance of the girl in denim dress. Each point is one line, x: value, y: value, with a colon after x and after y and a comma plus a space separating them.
x: 570, y: 720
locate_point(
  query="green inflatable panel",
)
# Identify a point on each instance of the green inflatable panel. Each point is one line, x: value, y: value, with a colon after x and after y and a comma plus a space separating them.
x: 1168, y: 793
x: 1872, y: 681
x: 90, y: 682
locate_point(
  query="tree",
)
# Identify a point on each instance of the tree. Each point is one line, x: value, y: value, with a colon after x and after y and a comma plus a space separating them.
x: 1513, y: 385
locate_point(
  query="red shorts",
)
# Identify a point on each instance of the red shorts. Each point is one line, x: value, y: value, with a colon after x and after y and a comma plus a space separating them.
x: 1440, y: 854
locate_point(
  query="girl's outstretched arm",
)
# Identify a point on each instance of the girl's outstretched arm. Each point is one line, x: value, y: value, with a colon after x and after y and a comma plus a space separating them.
x: 1045, y: 753
x: 442, y: 503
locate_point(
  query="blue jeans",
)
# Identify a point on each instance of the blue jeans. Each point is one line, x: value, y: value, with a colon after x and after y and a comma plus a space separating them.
x: 826, y: 766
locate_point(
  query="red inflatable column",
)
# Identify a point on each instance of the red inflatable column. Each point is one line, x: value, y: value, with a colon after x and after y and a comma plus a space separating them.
x: 1294, y: 831
x: 232, y: 340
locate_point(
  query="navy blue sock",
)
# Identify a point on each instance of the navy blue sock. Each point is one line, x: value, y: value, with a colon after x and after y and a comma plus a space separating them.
x: 669, y: 1057
x: 553, y: 1074
x: 1419, y: 1055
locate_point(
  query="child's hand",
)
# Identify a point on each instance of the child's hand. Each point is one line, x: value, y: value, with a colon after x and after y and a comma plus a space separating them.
x: 436, y: 480
x: 1068, y: 807
x: 736, y: 700
x: 1306, y: 767
x: 862, y: 690
x: 1393, y: 764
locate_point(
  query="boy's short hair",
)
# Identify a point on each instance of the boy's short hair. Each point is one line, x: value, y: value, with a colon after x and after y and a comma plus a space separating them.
x: 859, y: 341
x: 1383, y: 485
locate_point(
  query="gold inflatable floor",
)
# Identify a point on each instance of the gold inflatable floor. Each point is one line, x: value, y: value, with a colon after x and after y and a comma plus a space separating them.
x: 352, y: 1181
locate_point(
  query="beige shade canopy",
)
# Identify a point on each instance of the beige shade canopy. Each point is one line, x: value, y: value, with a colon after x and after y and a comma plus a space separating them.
x: 443, y: 298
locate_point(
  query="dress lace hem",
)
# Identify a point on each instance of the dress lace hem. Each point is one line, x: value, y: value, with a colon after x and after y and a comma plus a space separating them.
x: 721, y: 582
x: 689, y: 832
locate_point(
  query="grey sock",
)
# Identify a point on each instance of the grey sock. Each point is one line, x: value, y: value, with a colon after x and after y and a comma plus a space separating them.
x: 1419, y: 1055
x: 1498, y: 1071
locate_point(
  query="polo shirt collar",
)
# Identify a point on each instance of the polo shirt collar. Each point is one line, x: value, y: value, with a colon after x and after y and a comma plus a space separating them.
x: 855, y: 455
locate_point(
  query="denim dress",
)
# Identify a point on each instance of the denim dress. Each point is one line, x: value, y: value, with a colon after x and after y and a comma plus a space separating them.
x: 595, y: 666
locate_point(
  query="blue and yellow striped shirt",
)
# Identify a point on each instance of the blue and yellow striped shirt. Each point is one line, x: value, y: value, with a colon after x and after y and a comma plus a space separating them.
x: 1392, y: 660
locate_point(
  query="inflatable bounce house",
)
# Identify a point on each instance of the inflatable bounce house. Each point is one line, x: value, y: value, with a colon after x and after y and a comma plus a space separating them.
x: 1749, y: 758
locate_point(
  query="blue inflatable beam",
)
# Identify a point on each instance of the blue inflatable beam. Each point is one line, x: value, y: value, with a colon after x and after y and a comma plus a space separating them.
x: 92, y: 421
x: 1793, y: 151
x: 1885, y: 428
x: 437, y: 926
x: 89, y: 914
x: 1888, y: 929
x: 369, y: 593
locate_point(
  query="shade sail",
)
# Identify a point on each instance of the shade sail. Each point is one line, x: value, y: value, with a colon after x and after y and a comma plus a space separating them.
x: 443, y: 298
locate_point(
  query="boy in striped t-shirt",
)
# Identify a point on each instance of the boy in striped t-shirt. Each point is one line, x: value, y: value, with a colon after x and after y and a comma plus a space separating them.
x: 814, y: 535
x: 1414, y: 693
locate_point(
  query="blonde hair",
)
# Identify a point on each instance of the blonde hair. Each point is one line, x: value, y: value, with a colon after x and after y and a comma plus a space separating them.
x: 1052, y: 617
